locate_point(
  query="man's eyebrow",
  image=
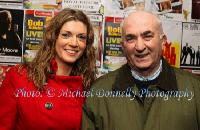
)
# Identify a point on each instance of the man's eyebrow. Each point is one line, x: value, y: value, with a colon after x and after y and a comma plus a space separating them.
x: 146, y: 33
x: 129, y: 34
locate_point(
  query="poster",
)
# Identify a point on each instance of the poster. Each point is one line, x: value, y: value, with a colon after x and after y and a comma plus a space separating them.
x: 11, y: 35
x: 12, y: 4
x: 190, y: 48
x: 113, y: 57
x: 92, y: 6
x: 178, y: 10
x: 171, y: 50
x: 112, y: 7
x: 172, y: 6
x: 97, y: 21
x: 131, y: 4
x: 34, y: 26
x: 196, y: 9
x: 120, y: 8
x: 43, y: 4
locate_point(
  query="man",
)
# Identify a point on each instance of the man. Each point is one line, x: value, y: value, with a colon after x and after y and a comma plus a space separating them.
x: 146, y: 93
x: 10, y: 42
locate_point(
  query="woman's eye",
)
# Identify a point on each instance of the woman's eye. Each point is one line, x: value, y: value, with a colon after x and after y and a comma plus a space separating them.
x: 66, y: 35
x: 82, y: 37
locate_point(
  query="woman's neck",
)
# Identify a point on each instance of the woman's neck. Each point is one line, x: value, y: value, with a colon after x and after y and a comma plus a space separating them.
x: 63, y: 68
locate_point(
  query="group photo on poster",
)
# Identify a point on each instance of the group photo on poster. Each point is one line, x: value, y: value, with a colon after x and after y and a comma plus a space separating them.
x: 11, y: 35
x: 190, y: 50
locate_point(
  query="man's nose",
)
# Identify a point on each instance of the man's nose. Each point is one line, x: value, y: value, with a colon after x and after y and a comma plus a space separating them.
x: 140, y: 45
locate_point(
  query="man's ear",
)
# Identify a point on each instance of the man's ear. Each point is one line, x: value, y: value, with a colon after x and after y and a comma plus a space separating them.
x: 122, y: 43
x: 163, y: 38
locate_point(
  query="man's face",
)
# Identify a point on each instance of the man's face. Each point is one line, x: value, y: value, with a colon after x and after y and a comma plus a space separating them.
x: 142, y: 42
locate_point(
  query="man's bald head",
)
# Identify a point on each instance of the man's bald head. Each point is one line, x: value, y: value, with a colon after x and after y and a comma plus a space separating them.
x: 142, y: 16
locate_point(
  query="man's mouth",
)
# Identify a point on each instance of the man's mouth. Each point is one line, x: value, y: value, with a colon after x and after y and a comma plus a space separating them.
x: 141, y: 55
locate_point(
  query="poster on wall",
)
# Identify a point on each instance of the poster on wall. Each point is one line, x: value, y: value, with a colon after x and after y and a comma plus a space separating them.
x: 92, y: 6
x: 130, y: 4
x: 196, y: 9
x: 171, y: 49
x: 190, y: 48
x: 113, y: 57
x: 178, y: 10
x: 34, y: 26
x: 12, y: 4
x: 122, y: 7
x: 97, y: 21
x: 11, y: 35
x: 43, y: 4
x: 169, y: 6
x: 112, y: 7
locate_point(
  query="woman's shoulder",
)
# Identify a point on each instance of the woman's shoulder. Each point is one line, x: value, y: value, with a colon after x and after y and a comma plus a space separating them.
x: 17, y: 71
x: 15, y: 77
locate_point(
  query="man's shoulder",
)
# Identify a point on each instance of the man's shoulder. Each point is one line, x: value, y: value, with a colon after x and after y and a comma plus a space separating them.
x: 186, y: 76
x: 106, y: 81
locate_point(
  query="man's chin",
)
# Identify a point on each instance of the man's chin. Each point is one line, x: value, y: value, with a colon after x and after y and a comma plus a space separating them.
x: 142, y: 68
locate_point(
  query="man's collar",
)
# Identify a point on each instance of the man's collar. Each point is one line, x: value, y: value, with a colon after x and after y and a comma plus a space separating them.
x: 166, y: 80
x: 123, y: 79
x: 149, y: 78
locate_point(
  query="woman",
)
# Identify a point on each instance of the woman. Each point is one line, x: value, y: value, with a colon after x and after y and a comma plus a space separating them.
x: 46, y: 93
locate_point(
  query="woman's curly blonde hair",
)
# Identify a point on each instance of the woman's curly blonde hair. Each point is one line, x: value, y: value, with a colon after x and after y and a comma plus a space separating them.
x: 85, y: 66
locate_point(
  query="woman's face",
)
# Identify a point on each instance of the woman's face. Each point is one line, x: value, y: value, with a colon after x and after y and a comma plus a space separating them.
x: 71, y: 42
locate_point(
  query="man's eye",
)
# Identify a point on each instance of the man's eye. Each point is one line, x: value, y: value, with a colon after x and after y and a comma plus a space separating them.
x: 148, y: 37
x: 130, y: 38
